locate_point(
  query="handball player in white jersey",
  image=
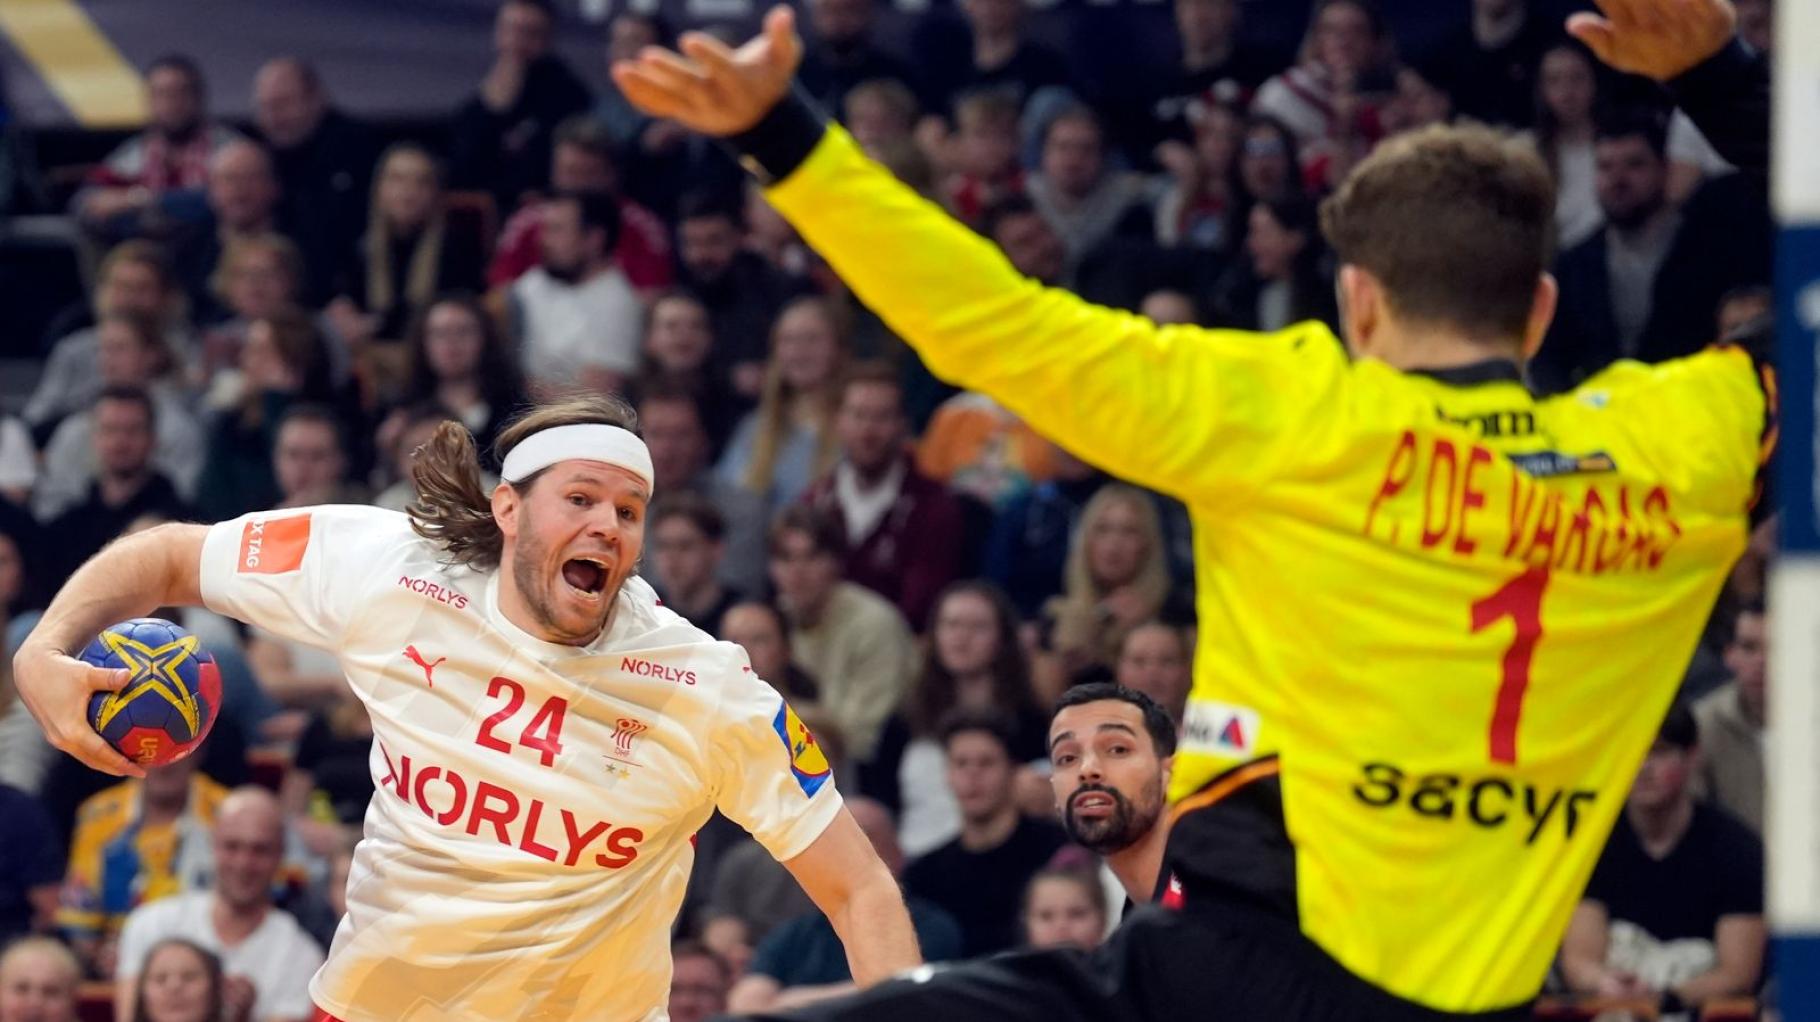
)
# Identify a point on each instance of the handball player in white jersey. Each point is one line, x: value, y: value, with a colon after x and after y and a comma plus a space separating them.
x: 547, y: 738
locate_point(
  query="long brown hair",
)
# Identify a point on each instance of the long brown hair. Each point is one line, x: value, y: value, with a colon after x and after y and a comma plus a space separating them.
x: 936, y: 692
x: 454, y: 510
x: 777, y: 397
x: 426, y: 252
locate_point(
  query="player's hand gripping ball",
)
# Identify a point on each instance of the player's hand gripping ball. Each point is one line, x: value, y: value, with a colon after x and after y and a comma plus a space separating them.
x: 171, y: 696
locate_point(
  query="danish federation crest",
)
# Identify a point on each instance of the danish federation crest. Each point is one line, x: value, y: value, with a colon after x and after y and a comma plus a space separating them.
x: 807, y: 762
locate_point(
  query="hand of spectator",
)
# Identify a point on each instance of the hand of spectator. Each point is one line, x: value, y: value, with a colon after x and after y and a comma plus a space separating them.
x: 1656, y: 38
x: 107, y: 203
x: 355, y: 327
x: 1178, y: 159
x: 505, y: 80
x: 1623, y: 985
x: 237, y: 997
x: 56, y: 688
x: 710, y: 88
x: 1126, y: 605
x: 932, y: 136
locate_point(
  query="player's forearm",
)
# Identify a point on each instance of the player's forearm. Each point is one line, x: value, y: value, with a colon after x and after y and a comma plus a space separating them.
x: 1722, y: 980
x: 129, y: 578
x: 874, y: 927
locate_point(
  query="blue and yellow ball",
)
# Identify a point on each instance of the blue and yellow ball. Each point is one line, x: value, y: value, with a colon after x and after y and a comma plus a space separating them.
x: 170, y: 698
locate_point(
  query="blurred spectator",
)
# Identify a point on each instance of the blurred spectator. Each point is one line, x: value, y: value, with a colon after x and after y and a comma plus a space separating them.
x: 789, y: 439
x: 411, y: 252
x: 678, y: 343
x: 134, y: 280
x: 1201, y: 205
x: 761, y: 630
x: 904, y: 532
x: 1732, y: 724
x: 742, y: 293
x: 698, y: 983
x: 404, y: 431
x: 242, y: 203
x: 775, y: 241
x: 671, y: 421
x: 1029, y: 540
x: 1212, y: 69
x: 281, y: 363
x: 1341, y: 77
x: 456, y: 358
x: 1757, y: 24
x: 979, y: 877
x: 182, y: 982
x: 1279, y: 280
x: 128, y: 192
x: 21, y: 186
x: 324, y: 161
x: 1167, y: 307
x: 1491, y: 62
x: 1674, y: 910
x: 126, y: 483
x: 1608, y: 281
x: 131, y: 354
x: 500, y: 140
x: 1064, y: 908
x: 1086, y: 202
x: 851, y: 640
x: 261, y: 946
x: 326, y: 791
x: 310, y: 459
x: 576, y: 319
x: 1116, y: 578
x: 975, y: 664
x: 1157, y: 659
x: 628, y: 32
x: 1422, y: 98
x: 1567, y: 93
x: 1692, y: 160
x: 38, y: 980
x: 840, y: 53
x: 18, y: 462
x: 994, y: 51
x: 134, y: 843
x: 30, y: 873
x: 1270, y: 164
x: 582, y: 162
x: 1028, y: 239
x: 802, y: 961
x: 320, y: 915
x: 687, y: 537
x: 982, y: 157
x: 258, y: 278
x: 881, y: 113
x: 1111, y: 748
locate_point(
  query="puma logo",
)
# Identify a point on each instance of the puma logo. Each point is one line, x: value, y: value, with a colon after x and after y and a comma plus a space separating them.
x: 411, y: 654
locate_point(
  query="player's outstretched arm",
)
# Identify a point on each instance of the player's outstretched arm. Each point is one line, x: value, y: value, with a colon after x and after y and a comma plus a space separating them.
x: 847, y: 880
x: 1170, y: 408
x: 160, y: 567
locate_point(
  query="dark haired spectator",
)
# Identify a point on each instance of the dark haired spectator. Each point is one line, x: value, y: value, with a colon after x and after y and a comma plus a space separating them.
x: 281, y: 363
x: 1084, y: 200
x: 1202, y: 204
x: 182, y: 982
x: 903, y: 530
x: 882, y: 115
x: 1423, y: 97
x: 130, y: 353
x: 1331, y: 96
x: 135, y: 279
x: 678, y: 345
x: 242, y: 195
x: 1733, y: 723
x: 1608, y: 281
x: 840, y: 52
x: 575, y: 317
x: 1270, y: 161
x: 581, y: 161
x: 1215, y: 64
x: 1279, y: 279
x: 31, y: 871
x: 761, y: 630
x: 993, y: 49
x: 979, y: 877
x: 1674, y: 910
x: 852, y: 640
x: 403, y: 432
x: 1492, y: 61
x: 38, y: 981
x: 310, y: 459
x: 1567, y: 94
x: 456, y: 358
x: 500, y: 141
x: 628, y: 32
x: 153, y: 181
x: 126, y: 483
x: 1157, y: 659
x: 698, y: 983
x: 324, y: 160
x: 687, y: 536
x: 671, y: 421
x: 742, y: 292
x: 411, y: 252
x: 801, y: 962
x: 1064, y: 908
x: 1027, y: 237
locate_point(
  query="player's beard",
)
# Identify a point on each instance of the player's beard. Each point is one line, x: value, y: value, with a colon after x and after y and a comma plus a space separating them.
x: 548, y: 598
x: 1125, y: 826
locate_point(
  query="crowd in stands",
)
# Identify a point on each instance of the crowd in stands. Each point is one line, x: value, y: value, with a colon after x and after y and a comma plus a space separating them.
x: 282, y: 311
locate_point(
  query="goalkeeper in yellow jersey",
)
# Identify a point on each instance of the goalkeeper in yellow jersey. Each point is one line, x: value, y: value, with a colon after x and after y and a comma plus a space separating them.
x: 1441, y: 619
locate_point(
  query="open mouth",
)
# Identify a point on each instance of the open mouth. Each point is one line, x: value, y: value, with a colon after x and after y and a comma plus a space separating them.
x: 585, y: 575
x: 1094, y: 804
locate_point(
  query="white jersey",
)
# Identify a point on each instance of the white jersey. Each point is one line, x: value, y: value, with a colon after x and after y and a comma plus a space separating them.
x: 526, y: 849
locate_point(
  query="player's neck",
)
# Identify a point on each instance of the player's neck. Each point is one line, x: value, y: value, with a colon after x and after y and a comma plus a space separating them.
x: 989, y: 833
x: 1140, y: 866
x: 1414, y: 350
x: 1661, y: 829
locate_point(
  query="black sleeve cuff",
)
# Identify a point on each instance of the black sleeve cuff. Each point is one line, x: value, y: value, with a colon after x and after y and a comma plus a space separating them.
x: 1720, y: 77
x: 774, y: 147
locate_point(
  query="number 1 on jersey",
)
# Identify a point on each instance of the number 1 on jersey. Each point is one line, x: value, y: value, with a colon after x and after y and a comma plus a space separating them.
x: 1520, y: 599
x: 549, y: 716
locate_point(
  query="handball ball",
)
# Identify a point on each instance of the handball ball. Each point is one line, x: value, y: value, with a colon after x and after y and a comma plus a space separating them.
x: 171, y: 696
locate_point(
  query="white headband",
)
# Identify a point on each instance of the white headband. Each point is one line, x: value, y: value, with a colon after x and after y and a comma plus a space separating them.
x: 588, y: 441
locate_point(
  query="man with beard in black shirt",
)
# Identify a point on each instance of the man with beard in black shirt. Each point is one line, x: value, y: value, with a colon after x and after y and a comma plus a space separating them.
x: 1112, y: 749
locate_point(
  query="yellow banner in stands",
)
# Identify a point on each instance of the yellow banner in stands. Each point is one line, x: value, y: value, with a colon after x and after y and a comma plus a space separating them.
x: 84, y: 69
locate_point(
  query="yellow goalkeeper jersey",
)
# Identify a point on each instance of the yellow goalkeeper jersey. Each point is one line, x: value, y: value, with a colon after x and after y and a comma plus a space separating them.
x: 1447, y: 616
